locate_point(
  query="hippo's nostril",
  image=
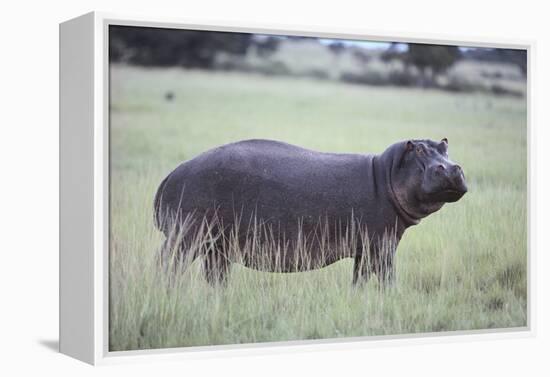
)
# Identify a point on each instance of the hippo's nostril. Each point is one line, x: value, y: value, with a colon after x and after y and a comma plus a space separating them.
x: 457, y: 169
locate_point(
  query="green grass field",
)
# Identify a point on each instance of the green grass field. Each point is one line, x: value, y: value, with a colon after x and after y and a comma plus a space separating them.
x: 462, y: 268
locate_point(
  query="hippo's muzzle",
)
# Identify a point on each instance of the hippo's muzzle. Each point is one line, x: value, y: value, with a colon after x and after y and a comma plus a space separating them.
x: 457, y: 184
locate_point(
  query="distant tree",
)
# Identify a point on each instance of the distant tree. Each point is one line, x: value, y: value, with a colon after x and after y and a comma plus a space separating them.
x: 436, y: 57
x: 431, y: 59
x: 267, y: 46
x: 336, y: 48
x: 499, y: 55
x: 297, y: 37
x: 172, y: 47
x: 392, y: 53
x: 361, y: 55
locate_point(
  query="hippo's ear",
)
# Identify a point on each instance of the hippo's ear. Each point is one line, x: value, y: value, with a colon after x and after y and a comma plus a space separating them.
x: 443, y: 145
x: 409, y: 146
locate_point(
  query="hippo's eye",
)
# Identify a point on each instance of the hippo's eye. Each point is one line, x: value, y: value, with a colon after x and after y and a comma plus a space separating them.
x: 419, y: 150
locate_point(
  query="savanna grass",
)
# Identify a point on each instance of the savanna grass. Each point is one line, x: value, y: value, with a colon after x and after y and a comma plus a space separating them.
x: 463, y: 268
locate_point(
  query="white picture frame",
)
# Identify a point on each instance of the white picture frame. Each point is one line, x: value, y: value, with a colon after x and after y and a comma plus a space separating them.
x: 84, y: 195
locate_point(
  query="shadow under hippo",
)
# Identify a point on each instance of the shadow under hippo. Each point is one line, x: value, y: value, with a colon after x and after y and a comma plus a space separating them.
x: 277, y: 207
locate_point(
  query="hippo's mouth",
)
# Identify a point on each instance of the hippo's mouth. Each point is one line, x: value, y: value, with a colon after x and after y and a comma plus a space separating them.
x: 451, y: 195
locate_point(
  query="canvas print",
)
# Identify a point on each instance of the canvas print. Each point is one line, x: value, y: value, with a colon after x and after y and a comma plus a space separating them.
x: 268, y: 188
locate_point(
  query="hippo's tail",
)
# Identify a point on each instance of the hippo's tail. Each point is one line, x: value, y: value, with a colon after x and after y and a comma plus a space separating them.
x: 157, y: 206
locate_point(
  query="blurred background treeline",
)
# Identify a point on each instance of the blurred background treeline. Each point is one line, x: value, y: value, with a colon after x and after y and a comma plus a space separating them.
x: 452, y: 68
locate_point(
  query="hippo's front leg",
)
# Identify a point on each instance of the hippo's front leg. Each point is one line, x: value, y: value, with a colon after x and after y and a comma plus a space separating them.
x: 361, y: 268
x: 383, y: 265
x: 386, y: 276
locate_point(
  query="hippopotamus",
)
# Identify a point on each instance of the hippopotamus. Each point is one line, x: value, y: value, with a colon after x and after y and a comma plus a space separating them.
x: 277, y: 207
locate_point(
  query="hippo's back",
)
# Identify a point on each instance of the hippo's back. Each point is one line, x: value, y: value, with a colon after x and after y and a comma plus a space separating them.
x: 271, y: 181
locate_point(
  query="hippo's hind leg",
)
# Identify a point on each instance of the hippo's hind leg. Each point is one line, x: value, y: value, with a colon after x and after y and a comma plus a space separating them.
x: 174, y: 257
x: 168, y: 254
x: 216, y: 263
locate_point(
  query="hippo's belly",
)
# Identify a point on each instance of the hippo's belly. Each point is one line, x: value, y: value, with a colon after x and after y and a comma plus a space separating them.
x: 304, y: 248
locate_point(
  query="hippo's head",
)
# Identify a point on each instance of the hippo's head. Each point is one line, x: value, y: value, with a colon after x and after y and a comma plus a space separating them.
x: 422, y: 177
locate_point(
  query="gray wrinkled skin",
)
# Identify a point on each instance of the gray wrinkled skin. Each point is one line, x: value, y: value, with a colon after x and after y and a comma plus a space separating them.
x: 271, y: 199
